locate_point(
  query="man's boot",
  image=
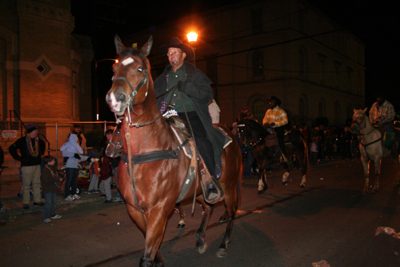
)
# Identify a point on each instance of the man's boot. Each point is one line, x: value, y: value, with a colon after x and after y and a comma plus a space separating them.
x: 212, y: 192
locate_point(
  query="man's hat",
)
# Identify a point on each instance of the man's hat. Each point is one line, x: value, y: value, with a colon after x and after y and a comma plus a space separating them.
x: 175, y: 42
x: 30, y: 127
x: 277, y: 100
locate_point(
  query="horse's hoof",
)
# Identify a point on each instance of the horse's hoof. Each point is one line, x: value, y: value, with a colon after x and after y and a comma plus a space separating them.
x: 261, y: 192
x: 223, y: 219
x: 303, y: 186
x: 365, y: 192
x: 284, y: 183
x: 397, y: 184
x: 202, y: 248
x: 181, y: 225
x: 222, y: 252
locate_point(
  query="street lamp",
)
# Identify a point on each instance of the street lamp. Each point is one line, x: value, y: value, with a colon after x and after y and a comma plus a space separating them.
x: 192, y: 37
x: 97, y: 89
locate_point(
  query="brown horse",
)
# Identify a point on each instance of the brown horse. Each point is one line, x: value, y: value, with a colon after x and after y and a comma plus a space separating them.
x: 154, y: 167
x: 253, y: 135
x: 372, y: 148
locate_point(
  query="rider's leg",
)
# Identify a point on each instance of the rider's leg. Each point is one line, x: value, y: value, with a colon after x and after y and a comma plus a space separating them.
x: 204, y: 146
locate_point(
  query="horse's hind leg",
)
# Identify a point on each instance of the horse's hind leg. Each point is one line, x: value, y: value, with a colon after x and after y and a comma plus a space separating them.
x: 377, y: 174
x: 201, y: 244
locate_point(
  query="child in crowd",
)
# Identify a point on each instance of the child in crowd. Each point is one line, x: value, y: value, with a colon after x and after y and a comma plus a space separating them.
x: 49, y: 179
x: 314, y: 150
x: 94, y: 170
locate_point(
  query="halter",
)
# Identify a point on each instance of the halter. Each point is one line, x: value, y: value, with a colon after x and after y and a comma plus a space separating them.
x: 132, y: 95
x: 373, y: 129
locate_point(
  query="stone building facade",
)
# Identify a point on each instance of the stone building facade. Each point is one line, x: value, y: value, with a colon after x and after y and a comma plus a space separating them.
x: 45, y: 69
x: 286, y: 48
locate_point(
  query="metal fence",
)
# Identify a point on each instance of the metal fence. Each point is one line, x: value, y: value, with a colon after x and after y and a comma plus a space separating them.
x: 54, y: 134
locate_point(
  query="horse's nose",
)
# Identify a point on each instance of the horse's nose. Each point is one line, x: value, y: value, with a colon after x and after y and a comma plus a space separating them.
x: 121, y: 97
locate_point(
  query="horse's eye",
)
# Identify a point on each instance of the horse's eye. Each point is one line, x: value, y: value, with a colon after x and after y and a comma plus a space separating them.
x: 140, y: 69
x: 112, y: 78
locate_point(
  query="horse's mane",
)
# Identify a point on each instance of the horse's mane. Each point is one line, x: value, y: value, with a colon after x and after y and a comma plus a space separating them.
x: 256, y: 127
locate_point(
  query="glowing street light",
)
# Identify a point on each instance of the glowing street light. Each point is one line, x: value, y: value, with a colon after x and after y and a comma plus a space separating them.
x: 192, y: 37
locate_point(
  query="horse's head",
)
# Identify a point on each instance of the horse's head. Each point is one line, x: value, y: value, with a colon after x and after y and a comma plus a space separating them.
x: 131, y: 73
x: 250, y: 132
x: 360, y: 121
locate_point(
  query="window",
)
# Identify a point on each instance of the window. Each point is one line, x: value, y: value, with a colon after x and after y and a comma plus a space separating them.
x: 303, y: 107
x: 302, y: 62
x: 337, y: 113
x: 322, y: 61
x: 43, y: 68
x: 337, y: 73
x: 258, y: 63
x: 259, y: 108
x: 256, y: 21
x: 322, y: 108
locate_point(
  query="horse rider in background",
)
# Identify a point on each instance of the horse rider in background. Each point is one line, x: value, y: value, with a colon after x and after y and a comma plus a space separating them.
x: 276, y: 118
x: 382, y: 114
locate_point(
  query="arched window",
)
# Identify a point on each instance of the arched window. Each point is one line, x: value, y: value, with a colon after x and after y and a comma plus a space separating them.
x: 349, y: 112
x: 302, y: 62
x: 337, y: 113
x: 303, y: 106
x: 258, y: 63
x: 259, y: 108
x: 322, y: 108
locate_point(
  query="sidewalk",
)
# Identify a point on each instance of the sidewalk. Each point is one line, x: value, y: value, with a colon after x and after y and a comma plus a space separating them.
x: 13, y: 203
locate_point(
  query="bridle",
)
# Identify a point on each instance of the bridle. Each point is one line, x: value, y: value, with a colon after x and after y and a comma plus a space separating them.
x: 132, y: 95
x: 356, y: 122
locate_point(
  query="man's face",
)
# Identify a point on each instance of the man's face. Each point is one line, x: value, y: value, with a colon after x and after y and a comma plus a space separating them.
x: 176, y: 57
x: 77, y: 129
x: 33, y: 134
x: 272, y: 103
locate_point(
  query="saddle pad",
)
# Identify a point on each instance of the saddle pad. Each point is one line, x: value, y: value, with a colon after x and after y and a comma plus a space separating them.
x: 181, y: 137
x: 228, y: 139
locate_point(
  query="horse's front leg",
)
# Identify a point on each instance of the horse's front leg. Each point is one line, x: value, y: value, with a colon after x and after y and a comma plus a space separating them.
x: 155, y: 232
x: 365, y: 164
x: 182, y: 215
x: 377, y: 163
x: 263, y: 182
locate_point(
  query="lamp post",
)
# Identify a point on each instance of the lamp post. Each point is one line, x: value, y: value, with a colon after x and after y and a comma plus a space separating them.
x: 192, y: 37
x: 97, y: 89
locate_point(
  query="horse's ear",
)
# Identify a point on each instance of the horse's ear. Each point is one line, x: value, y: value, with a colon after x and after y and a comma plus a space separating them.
x: 118, y: 44
x: 365, y: 110
x: 145, y: 50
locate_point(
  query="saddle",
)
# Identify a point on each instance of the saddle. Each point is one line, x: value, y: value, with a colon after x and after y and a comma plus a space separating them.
x: 178, y: 126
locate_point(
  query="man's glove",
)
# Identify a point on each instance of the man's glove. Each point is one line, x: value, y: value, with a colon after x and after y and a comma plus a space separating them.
x: 77, y: 156
x: 182, y: 86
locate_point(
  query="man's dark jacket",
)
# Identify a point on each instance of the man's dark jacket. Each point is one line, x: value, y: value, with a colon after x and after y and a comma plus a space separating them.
x: 198, y: 89
x: 24, y: 156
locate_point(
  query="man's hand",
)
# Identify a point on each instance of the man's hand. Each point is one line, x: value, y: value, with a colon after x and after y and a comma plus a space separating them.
x: 77, y: 156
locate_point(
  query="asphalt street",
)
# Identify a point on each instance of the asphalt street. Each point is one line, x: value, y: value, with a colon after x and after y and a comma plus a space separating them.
x: 328, y: 220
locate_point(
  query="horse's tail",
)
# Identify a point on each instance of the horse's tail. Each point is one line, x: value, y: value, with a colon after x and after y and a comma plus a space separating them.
x: 239, y: 197
x: 306, y: 160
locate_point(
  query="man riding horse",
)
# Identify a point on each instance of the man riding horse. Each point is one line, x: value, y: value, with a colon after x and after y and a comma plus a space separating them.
x: 382, y: 114
x: 188, y: 91
x: 276, y: 118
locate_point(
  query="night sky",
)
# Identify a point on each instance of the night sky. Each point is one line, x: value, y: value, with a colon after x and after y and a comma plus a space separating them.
x: 373, y: 22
